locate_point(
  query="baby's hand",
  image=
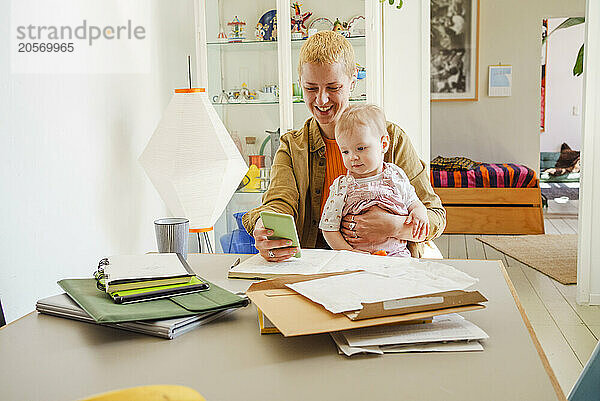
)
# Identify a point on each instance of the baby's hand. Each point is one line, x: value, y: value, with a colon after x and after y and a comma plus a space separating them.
x: 420, y: 222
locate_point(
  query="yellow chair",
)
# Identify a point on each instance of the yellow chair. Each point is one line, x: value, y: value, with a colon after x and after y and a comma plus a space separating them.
x: 150, y: 393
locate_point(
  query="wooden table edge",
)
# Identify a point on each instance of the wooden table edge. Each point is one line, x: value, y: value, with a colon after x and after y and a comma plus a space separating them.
x: 16, y: 320
x: 559, y: 392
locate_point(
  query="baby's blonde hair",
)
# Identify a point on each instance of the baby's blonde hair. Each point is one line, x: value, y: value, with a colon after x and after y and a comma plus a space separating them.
x: 361, y: 114
x: 327, y: 47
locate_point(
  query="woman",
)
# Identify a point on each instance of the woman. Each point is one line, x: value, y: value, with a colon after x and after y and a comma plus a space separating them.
x: 308, y: 161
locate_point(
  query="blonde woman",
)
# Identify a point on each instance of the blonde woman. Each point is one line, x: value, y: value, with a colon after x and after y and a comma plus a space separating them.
x: 309, y: 160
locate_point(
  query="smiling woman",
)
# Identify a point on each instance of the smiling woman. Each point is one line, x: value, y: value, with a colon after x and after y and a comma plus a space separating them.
x: 309, y: 160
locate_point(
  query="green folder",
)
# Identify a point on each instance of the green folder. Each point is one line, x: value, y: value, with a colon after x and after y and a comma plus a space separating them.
x: 100, y: 306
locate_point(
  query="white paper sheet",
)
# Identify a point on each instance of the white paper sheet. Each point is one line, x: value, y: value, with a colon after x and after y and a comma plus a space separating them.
x: 144, y: 266
x: 344, y: 348
x: 448, y: 328
x: 455, y: 346
x: 406, y: 279
x: 311, y: 262
x: 327, y: 261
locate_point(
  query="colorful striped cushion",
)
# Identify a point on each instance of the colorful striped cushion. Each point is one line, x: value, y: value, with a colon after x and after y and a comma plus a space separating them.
x: 486, y: 175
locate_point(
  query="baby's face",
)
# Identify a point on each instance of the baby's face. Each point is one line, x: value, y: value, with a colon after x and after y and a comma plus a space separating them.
x: 362, y: 150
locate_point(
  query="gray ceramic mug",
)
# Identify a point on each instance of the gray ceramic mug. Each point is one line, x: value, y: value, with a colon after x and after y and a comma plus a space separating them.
x: 172, y: 235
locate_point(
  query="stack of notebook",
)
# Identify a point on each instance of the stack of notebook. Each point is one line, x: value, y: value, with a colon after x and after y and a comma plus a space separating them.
x: 63, y: 306
x: 168, y: 309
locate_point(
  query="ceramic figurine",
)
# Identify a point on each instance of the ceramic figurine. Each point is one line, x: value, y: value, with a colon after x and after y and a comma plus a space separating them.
x: 237, y: 30
x: 222, y: 37
x: 299, y: 30
x: 341, y: 27
x: 260, y: 31
x: 361, y: 72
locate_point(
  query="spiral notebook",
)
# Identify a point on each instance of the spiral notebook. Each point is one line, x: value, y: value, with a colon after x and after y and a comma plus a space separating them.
x: 130, y: 272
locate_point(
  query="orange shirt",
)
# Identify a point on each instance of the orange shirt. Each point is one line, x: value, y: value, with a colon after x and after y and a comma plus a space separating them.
x: 334, y: 167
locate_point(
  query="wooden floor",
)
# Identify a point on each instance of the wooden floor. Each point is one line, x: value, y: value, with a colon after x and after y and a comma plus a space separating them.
x: 567, y: 332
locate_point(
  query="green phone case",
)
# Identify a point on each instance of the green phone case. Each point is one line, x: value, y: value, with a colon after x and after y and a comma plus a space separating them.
x: 283, y: 227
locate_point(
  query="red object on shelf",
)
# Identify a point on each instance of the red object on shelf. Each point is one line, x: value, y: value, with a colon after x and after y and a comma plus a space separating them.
x: 257, y: 160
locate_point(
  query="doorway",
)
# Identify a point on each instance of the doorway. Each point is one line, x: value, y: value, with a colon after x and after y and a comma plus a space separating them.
x: 560, y: 122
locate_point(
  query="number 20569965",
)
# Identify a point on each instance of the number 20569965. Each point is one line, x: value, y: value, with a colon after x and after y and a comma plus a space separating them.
x: 43, y: 47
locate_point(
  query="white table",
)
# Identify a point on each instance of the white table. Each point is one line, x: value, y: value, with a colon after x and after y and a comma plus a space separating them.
x: 49, y: 358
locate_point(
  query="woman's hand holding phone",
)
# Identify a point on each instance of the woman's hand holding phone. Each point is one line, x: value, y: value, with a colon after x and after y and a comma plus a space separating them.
x: 275, y: 250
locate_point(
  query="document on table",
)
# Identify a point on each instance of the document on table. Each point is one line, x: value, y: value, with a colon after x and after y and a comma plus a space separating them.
x: 344, y: 348
x: 348, y: 292
x: 443, y: 328
x: 327, y: 261
x: 454, y: 346
x: 311, y: 262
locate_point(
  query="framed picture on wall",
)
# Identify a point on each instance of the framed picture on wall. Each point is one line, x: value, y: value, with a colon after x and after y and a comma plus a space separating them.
x: 454, y: 49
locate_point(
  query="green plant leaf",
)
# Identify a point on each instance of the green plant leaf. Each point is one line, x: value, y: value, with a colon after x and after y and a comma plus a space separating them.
x: 569, y: 22
x: 578, y: 68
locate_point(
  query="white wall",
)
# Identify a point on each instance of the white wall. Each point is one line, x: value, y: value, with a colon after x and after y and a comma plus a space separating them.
x: 563, y: 90
x: 72, y: 189
x: 498, y: 129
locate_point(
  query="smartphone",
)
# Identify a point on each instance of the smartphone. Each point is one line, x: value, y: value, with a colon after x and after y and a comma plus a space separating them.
x: 283, y: 227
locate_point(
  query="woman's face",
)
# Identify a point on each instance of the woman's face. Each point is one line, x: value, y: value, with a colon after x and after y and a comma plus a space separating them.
x: 326, y: 90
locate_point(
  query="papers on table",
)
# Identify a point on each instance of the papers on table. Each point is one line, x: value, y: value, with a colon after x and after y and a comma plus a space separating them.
x: 311, y: 262
x: 446, y: 333
x: 443, y: 328
x: 343, y: 293
x: 314, y: 261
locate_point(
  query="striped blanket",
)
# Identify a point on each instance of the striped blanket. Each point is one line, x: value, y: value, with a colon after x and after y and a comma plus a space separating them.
x: 486, y: 176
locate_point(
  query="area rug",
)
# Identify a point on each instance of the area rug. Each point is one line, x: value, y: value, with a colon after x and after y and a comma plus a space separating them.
x: 552, y: 254
x: 553, y: 190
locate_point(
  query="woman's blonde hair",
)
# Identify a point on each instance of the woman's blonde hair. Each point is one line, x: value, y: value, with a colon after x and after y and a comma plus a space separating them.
x: 361, y: 114
x: 327, y: 47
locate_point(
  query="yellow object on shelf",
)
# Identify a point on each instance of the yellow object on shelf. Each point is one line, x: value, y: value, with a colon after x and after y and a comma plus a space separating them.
x: 253, y: 174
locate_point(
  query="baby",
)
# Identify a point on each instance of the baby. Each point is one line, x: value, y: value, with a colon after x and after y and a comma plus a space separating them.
x: 363, y: 140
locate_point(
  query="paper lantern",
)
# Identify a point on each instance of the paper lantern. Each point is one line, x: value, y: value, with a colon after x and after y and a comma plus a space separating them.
x: 191, y: 159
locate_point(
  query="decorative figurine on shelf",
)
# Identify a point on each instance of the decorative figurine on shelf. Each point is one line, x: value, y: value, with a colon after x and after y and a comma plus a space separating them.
x: 361, y: 72
x: 341, y: 27
x: 299, y: 30
x: 260, y: 31
x: 221, y: 37
x: 237, y: 30
x: 246, y: 93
